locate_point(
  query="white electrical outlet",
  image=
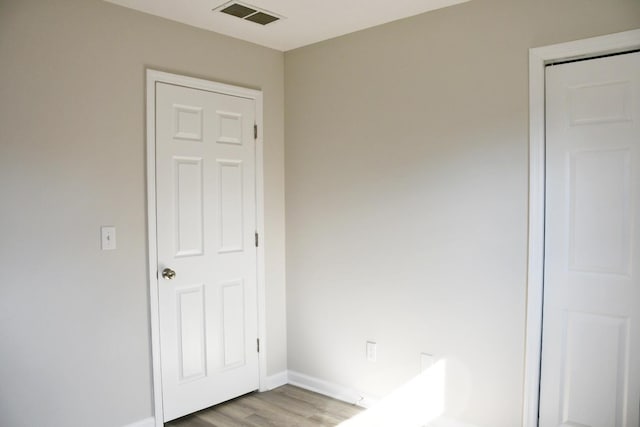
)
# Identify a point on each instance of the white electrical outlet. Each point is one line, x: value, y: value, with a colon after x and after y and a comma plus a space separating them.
x: 426, y: 361
x: 371, y: 351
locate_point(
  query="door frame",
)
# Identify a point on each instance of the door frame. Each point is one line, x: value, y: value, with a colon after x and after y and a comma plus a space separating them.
x: 153, y: 77
x: 538, y: 58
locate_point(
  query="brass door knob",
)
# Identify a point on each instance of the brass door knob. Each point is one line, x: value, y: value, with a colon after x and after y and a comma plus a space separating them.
x: 168, y: 273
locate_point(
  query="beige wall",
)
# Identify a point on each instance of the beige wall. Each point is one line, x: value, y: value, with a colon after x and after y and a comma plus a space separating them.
x: 406, y: 185
x: 74, y: 321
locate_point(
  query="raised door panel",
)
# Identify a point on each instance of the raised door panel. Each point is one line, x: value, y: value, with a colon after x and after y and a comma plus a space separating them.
x: 233, y: 313
x: 595, y: 369
x: 191, y: 333
x: 230, y: 202
x: 188, y: 206
x: 600, y: 216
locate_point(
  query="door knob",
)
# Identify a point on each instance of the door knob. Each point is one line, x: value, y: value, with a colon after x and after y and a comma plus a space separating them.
x: 168, y: 273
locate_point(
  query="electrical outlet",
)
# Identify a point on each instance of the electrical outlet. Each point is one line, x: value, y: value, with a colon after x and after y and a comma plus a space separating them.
x: 371, y: 351
x: 426, y: 361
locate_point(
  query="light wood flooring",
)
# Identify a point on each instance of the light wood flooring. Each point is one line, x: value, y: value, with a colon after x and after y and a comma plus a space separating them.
x: 286, y: 406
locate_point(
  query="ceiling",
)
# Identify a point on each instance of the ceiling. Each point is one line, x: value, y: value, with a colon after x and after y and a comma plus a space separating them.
x: 304, y: 21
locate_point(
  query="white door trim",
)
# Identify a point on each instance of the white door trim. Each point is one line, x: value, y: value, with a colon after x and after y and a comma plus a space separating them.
x: 154, y: 77
x: 538, y: 59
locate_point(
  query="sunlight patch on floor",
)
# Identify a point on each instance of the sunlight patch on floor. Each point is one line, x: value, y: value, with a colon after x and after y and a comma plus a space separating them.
x: 415, y: 404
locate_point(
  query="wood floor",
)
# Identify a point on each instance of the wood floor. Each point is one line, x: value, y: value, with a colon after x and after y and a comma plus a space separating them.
x: 287, y: 406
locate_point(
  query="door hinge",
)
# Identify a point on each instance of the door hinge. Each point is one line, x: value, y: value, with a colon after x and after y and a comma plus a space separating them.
x: 255, y: 131
x: 258, y: 344
x: 257, y: 239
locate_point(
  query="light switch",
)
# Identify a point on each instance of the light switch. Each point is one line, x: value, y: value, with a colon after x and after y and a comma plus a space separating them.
x: 108, y: 240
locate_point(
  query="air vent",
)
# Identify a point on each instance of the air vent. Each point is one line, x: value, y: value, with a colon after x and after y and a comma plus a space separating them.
x: 248, y: 13
x: 238, y: 10
x: 262, y: 18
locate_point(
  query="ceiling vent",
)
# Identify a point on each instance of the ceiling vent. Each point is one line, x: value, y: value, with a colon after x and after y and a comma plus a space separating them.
x: 248, y: 13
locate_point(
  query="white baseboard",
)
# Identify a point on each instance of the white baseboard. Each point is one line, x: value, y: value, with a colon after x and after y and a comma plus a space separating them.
x: 327, y: 388
x: 147, y: 422
x: 275, y: 381
x: 448, y: 422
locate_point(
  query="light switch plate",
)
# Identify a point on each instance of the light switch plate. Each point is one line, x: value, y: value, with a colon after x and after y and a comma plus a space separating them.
x: 108, y: 238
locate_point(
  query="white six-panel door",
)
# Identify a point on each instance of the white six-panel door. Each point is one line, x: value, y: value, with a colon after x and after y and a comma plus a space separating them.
x: 591, y: 328
x: 206, y: 220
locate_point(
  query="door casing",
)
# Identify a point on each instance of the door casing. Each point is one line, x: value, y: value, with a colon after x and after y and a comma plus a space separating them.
x: 154, y: 76
x: 538, y: 58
